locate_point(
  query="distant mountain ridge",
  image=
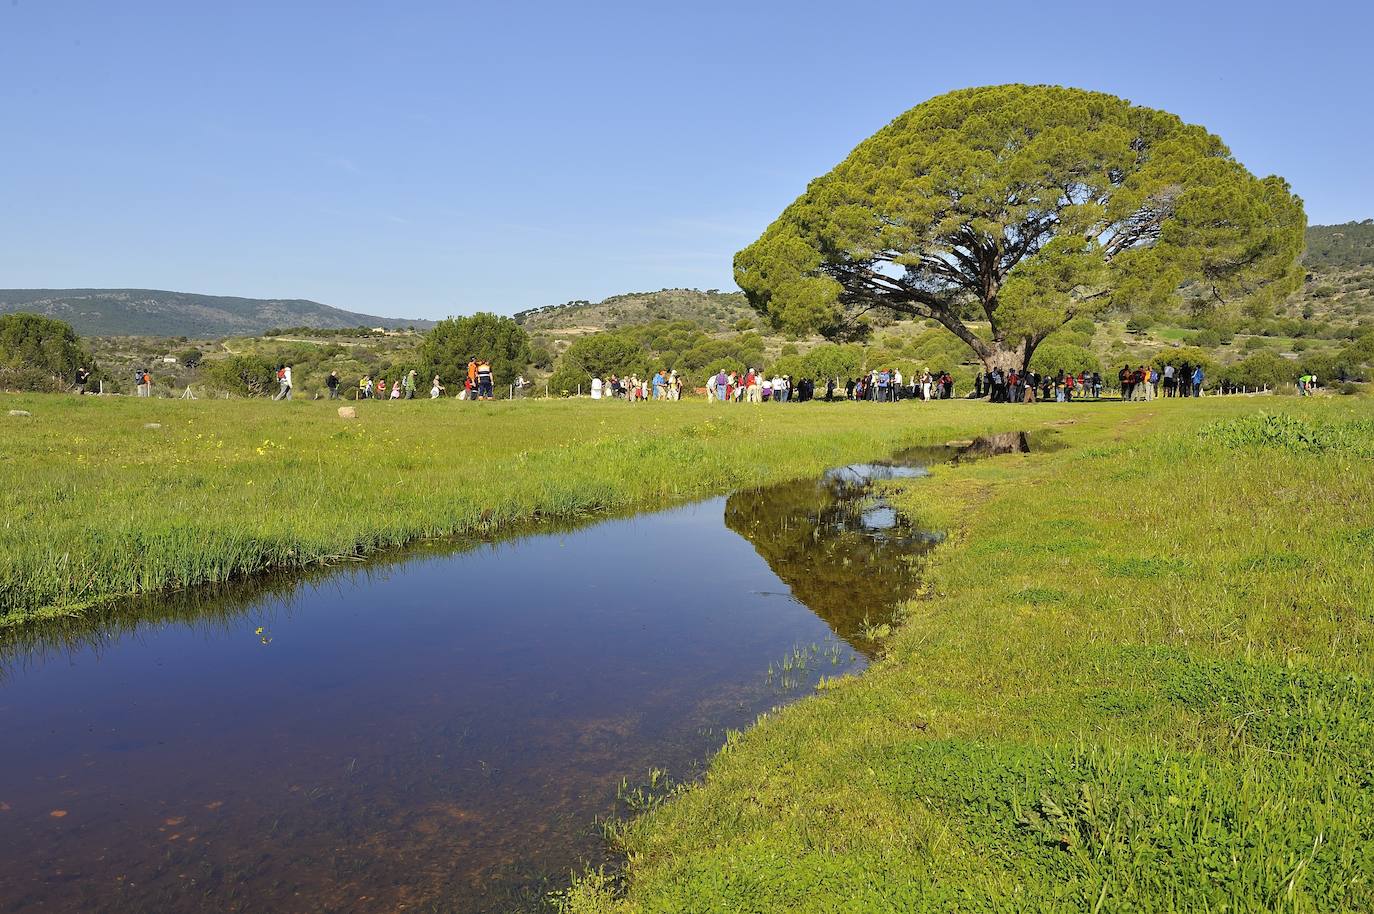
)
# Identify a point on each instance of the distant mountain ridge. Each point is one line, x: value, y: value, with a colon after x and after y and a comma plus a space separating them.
x: 153, y: 312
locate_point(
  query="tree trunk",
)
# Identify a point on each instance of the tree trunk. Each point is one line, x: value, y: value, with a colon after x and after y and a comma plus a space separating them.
x: 1008, y: 356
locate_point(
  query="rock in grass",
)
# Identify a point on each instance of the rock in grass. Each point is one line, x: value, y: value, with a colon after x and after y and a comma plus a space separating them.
x: 20, y: 412
x: 960, y: 442
x: 348, y: 412
x: 152, y: 425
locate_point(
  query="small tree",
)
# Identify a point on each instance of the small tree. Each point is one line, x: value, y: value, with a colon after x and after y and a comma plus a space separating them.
x: 1024, y: 207
x: 245, y: 375
x: 500, y: 340
x: 831, y: 360
x: 38, y: 352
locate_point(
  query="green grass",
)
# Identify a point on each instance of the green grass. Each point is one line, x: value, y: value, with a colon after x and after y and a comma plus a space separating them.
x: 98, y: 505
x: 1140, y: 678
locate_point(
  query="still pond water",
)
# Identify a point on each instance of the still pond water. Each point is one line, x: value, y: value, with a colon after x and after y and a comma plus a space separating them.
x: 435, y: 733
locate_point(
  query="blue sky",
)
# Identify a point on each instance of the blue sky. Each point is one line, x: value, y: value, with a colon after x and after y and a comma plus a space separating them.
x: 424, y: 158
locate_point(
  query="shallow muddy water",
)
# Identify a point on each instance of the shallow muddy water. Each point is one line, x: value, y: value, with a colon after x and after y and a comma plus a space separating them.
x: 435, y: 732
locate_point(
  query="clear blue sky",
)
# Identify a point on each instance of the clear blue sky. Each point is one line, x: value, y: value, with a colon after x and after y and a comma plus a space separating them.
x: 427, y: 158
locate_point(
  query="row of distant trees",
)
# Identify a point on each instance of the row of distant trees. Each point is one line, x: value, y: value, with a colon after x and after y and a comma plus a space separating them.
x: 444, y: 351
x: 39, y: 353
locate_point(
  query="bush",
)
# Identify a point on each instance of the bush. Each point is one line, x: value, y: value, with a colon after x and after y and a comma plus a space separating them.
x: 245, y: 375
x: 32, y: 346
x: 30, y: 380
x: 1051, y: 358
x: 1263, y: 369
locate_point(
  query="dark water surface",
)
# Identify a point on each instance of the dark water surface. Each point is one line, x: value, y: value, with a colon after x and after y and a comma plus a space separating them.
x: 433, y: 734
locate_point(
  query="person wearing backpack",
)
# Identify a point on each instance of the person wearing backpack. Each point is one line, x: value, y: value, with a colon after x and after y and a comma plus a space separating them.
x: 283, y: 379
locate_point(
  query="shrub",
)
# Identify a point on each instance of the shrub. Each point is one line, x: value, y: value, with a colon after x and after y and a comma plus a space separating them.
x: 245, y: 375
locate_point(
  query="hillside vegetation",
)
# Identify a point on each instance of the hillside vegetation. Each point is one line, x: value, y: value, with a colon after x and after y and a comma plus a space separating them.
x: 1344, y: 246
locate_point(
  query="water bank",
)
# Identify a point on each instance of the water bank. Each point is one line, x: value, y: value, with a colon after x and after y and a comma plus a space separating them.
x: 439, y: 732
x: 1137, y: 678
x: 100, y: 505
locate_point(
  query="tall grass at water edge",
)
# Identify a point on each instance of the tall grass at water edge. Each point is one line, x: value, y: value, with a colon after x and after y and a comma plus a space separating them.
x: 1140, y: 678
x: 95, y: 503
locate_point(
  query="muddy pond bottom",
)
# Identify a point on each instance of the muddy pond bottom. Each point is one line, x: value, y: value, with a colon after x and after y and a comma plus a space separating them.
x: 437, y: 733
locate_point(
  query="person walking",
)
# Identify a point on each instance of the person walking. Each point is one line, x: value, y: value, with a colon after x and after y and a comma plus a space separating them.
x: 83, y: 376
x: 284, y: 380
x: 1198, y: 379
x: 332, y: 382
x: 435, y: 388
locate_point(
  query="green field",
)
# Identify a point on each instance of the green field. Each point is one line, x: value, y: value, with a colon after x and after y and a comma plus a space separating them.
x: 98, y: 504
x: 1139, y: 676
x: 1140, y: 679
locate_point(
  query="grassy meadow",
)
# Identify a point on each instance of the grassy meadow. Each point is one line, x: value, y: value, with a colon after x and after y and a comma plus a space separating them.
x: 1140, y: 678
x: 99, y: 504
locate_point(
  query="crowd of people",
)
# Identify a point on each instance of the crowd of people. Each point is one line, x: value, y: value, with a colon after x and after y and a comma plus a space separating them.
x: 883, y: 385
x: 661, y: 385
x: 752, y: 386
x: 1140, y: 383
x: 477, y: 384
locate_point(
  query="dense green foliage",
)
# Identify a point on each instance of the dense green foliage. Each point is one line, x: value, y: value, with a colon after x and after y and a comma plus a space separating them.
x: 1139, y: 679
x: 640, y: 350
x: 245, y: 375
x: 1025, y: 206
x: 448, y: 347
x: 1347, y: 245
x: 38, y: 353
x: 1053, y: 358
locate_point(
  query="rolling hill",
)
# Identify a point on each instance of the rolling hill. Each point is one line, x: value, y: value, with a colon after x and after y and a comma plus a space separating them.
x: 138, y: 312
x: 711, y: 310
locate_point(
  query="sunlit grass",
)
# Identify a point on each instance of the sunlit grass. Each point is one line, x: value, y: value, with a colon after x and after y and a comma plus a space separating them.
x: 95, y: 503
x: 1139, y: 679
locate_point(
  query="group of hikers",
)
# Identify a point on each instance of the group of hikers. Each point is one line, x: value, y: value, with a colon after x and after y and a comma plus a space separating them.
x: 661, y: 385
x: 477, y: 384
x: 884, y: 385
x: 1139, y: 383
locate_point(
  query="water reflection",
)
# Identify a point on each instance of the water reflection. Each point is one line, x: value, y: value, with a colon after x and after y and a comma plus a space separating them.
x: 844, y: 552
